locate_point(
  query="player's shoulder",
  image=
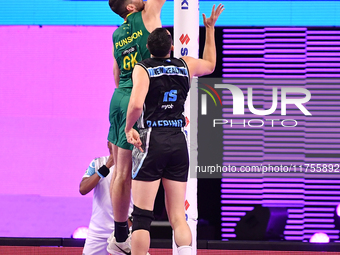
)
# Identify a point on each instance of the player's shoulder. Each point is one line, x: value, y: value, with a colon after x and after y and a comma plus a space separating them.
x: 118, y: 31
x: 121, y: 29
x: 96, y: 163
x: 178, y: 61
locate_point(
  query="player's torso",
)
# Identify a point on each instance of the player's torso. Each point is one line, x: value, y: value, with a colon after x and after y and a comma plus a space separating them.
x: 168, y: 89
x: 129, y: 42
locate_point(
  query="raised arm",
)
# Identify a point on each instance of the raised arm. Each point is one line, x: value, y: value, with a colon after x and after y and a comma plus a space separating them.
x: 153, y: 7
x: 152, y: 14
x: 206, y: 65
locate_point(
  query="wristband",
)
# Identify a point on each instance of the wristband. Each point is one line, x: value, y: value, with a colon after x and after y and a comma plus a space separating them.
x: 103, y: 171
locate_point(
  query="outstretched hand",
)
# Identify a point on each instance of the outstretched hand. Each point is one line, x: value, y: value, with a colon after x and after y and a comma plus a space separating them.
x: 210, y: 22
x: 132, y: 136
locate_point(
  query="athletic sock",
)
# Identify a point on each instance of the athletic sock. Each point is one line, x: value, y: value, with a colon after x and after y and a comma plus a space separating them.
x: 121, y: 231
x: 184, y: 250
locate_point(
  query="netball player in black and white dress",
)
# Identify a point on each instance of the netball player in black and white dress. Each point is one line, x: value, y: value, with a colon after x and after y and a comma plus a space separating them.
x: 160, y: 88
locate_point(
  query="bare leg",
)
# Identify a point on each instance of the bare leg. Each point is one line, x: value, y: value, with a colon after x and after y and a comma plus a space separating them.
x: 174, y: 200
x: 144, y: 194
x: 113, y: 177
x: 120, y: 188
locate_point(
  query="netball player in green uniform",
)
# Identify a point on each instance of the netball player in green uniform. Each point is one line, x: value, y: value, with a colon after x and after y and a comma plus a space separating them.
x: 129, y: 47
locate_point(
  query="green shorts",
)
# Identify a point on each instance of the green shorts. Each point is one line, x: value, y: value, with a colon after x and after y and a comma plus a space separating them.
x: 118, y: 109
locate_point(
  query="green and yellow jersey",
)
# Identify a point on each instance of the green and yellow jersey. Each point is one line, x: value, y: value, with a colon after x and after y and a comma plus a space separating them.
x: 129, y: 42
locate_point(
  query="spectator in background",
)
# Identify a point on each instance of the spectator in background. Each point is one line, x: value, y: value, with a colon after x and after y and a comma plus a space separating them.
x: 98, y: 176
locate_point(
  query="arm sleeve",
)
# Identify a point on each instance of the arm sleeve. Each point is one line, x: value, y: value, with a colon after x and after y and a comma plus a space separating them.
x: 91, y: 169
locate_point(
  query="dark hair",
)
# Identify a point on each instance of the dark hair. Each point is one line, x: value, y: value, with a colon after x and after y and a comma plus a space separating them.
x: 119, y: 7
x: 159, y: 42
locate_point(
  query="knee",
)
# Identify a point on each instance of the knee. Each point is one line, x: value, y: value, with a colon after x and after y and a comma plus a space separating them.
x: 141, y: 219
x: 122, y: 177
x: 177, y: 220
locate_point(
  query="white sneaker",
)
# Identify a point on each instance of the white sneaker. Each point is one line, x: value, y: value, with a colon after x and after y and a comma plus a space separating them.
x: 114, y: 247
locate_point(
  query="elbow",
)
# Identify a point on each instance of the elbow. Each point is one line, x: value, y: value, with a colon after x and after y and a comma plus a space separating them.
x: 82, y: 190
x: 139, y: 110
x: 136, y: 108
x: 211, y: 68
